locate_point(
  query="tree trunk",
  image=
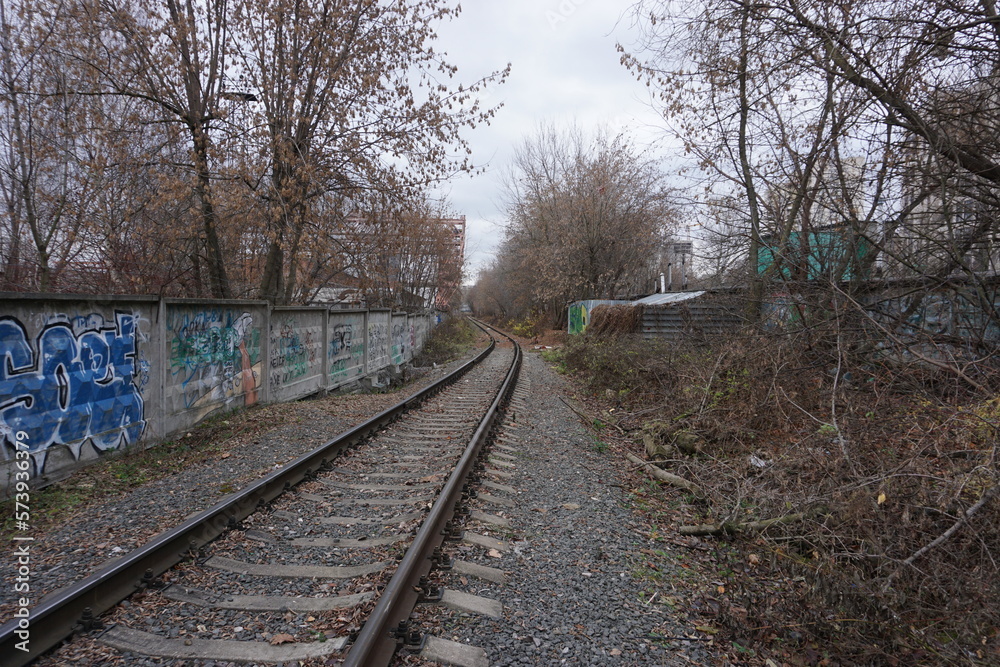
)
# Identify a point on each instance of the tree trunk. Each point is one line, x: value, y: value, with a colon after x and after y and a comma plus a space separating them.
x: 291, y: 280
x: 218, y: 279
x: 756, y: 295
x: 272, y: 282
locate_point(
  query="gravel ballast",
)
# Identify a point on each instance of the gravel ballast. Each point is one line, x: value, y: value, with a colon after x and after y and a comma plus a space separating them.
x: 588, y: 583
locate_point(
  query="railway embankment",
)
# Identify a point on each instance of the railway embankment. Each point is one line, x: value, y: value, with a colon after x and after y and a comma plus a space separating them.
x: 846, y: 498
x: 108, y: 509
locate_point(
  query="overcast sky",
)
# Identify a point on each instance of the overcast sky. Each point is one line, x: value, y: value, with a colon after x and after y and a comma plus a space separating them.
x: 565, y: 70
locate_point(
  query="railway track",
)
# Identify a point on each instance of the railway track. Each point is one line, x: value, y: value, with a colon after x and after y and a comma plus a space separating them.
x: 322, y: 559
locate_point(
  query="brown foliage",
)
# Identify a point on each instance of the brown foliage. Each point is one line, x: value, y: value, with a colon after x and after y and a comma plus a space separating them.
x: 218, y: 148
x: 614, y: 320
x: 902, y: 558
x: 587, y: 219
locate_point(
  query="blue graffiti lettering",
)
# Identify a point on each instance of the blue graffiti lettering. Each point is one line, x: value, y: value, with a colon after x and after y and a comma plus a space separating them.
x: 77, y: 383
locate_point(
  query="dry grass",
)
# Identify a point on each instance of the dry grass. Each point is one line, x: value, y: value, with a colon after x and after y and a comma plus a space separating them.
x: 900, y: 562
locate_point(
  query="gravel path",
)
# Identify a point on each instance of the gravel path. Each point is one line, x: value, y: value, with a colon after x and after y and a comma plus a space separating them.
x: 589, y: 583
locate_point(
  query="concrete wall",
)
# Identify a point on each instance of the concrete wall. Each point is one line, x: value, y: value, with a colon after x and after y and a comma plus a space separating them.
x: 78, y: 377
x: 958, y: 315
x: 82, y: 376
x: 215, y: 359
x: 379, y: 325
x: 399, y: 339
x: 296, y: 352
x: 419, y: 328
x: 347, y: 347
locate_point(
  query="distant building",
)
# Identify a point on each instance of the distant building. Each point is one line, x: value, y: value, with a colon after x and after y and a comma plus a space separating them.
x: 835, y: 252
x: 457, y: 235
x: 404, y: 262
x: 448, y: 286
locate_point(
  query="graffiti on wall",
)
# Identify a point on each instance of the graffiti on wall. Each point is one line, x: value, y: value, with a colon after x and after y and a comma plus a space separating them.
x: 214, y: 356
x: 961, y: 321
x: 934, y: 316
x: 345, y: 352
x: 378, y: 344
x: 78, y: 382
x: 779, y: 310
x: 398, y: 342
x: 293, y: 352
x: 577, y: 318
x: 420, y: 334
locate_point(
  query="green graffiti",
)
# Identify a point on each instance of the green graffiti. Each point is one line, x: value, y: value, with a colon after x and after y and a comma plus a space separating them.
x: 577, y: 318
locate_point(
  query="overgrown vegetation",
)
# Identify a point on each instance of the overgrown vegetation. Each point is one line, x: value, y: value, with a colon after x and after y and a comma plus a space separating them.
x: 448, y: 341
x: 884, y: 478
x: 587, y: 217
x: 528, y: 326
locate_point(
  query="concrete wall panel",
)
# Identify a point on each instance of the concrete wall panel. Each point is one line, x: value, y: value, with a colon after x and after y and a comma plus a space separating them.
x: 421, y: 329
x: 295, y: 366
x: 215, y: 359
x: 346, y: 347
x: 378, y: 343
x: 399, y: 339
x: 76, y: 381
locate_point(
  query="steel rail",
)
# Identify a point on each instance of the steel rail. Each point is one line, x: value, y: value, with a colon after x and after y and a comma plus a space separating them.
x: 378, y: 640
x: 59, y: 615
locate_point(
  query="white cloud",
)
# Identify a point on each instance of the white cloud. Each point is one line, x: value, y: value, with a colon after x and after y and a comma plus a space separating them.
x: 565, y: 71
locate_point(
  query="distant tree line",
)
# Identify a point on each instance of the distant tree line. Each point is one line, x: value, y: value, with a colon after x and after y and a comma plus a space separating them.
x: 226, y: 149
x: 588, y: 217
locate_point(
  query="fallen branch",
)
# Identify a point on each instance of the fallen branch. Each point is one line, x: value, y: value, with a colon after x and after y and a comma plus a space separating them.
x: 730, y: 527
x: 940, y: 539
x: 665, y: 476
x: 588, y: 419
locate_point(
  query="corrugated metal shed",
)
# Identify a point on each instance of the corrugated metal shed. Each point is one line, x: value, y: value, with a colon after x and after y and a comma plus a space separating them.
x: 685, y: 315
x: 670, y: 315
x: 668, y: 298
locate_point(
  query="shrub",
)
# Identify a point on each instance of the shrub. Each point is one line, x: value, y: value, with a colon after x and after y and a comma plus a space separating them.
x: 448, y: 341
x: 900, y: 470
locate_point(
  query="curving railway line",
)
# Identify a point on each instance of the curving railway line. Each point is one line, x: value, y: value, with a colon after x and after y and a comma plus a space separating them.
x: 323, y: 559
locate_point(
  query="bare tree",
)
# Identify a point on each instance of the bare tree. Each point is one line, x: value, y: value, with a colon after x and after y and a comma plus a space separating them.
x: 172, y: 55
x: 220, y: 143
x: 867, y: 116
x: 406, y: 254
x: 494, y: 294
x: 766, y: 130
x: 343, y: 85
x: 586, y: 219
x: 46, y: 180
